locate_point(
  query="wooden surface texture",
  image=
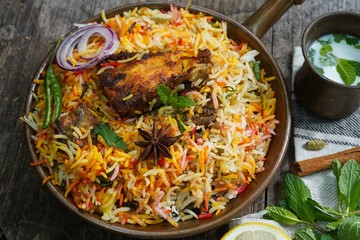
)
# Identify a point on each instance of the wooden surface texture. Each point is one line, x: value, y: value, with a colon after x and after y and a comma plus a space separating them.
x: 28, y: 210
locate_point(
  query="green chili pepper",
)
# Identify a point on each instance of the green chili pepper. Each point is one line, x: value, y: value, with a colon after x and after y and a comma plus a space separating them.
x: 57, y: 95
x: 48, y: 109
x: 52, y: 89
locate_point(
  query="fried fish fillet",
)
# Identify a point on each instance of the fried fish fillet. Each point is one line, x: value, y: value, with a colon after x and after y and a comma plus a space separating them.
x: 131, y: 86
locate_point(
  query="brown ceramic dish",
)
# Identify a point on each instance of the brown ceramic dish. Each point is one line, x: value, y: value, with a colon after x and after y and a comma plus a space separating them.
x: 259, y: 23
x: 317, y: 93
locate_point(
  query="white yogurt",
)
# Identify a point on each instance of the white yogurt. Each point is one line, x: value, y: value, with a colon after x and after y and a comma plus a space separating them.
x: 340, y: 50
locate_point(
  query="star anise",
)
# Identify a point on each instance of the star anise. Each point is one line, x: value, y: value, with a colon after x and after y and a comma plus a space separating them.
x: 157, y: 142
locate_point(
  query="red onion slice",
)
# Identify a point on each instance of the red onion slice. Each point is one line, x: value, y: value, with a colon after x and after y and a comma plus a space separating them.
x: 80, y: 40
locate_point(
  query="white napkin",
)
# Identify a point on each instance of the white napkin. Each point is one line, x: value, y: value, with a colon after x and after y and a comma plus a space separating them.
x: 338, y: 134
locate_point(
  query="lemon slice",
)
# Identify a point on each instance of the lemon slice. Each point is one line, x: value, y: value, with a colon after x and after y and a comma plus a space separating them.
x: 255, y: 231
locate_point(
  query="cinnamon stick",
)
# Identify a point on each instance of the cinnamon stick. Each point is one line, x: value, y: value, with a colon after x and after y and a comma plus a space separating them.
x: 313, y: 165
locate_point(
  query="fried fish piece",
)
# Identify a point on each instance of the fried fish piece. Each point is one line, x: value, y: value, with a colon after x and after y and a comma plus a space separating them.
x: 131, y: 86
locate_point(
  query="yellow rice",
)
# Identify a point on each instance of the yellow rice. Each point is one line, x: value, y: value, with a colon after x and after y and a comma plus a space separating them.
x: 205, y: 172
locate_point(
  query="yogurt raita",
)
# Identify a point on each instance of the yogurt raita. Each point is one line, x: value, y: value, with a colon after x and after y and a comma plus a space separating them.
x: 337, y: 57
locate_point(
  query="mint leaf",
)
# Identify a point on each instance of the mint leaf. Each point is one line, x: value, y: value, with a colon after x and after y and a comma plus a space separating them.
x: 282, y: 215
x: 164, y: 93
x: 104, y: 182
x: 180, y: 101
x: 324, y: 42
x: 346, y: 70
x: 357, y: 46
x: 110, y: 136
x: 327, y: 61
x: 311, y: 55
x: 349, y: 228
x: 328, y: 237
x: 305, y: 234
x: 283, y: 203
x: 352, y: 41
x: 297, y: 195
x: 349, y: 182
x: 338, y: 37
x: 325, y: 49
x: 333, y: 225
x: 336, y: 167
x: 319, y: 70
x: 356, y: 65
x: 323, y: 213
x: 168, y: 98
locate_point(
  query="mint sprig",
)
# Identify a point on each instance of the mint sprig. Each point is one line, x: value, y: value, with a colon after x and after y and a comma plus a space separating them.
x: 299, y: 207
x: 168, y: 98
x: 110, y: 136
x: 325, y: 49
x: 347, y: 69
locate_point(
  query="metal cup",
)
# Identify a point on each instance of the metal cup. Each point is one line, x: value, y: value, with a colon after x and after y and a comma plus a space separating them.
x: 317, y: 93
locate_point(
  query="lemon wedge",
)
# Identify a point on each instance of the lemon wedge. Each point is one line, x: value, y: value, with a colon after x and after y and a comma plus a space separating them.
x: 255, y: 231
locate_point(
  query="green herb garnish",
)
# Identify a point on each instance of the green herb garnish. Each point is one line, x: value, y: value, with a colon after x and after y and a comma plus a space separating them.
x: 299, y: 207
x: 349, y: 182
x: 104, y: 182
x: 181, y: 126
x: 356, y: 65
x: 230, y: 91
x: 319, y: 70
x: 110, y: 136
x: 346, y: 71
x: 323, y: 42
x: 325, y: 49
x: 256, y: 69
x: 338, y: 37
x: 352, y: 41
x: 168, y: 98
x: 297, y: 195
x: 327, y: 61
x: 311, y: 54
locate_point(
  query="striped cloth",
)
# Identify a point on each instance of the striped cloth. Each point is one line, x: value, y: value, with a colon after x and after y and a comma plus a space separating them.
x: 339, y: 135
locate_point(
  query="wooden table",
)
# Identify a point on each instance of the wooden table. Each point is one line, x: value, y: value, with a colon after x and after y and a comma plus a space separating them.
x: 28, y: 210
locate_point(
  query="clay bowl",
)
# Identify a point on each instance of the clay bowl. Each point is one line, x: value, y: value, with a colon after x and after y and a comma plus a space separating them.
x: 259, y: 23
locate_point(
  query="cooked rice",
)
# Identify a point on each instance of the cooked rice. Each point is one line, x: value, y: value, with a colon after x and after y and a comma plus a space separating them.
x: 207, y: 168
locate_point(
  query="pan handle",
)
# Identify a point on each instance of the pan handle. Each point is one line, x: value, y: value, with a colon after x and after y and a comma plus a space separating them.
x: 266, y: 16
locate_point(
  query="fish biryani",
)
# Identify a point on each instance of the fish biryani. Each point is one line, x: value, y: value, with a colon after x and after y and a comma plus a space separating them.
x: 152, y: 116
